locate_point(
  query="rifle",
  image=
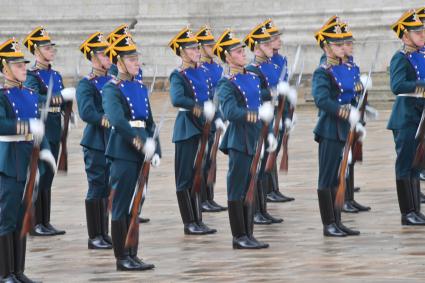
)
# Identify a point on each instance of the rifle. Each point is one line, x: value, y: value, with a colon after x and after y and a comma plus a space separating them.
x: 253, y: 171
x: 419, y: 160
x: 63, y: 158
x: 357, y: 151
x: 197, y: 178
x: 30, y: 193
x: 284, y: 161
x: 340, y: 194
x: 213, y: 157
x: 133, y: 229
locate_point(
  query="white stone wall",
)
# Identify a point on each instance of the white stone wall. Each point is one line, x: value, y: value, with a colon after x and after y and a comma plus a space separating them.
x: 70, y: 22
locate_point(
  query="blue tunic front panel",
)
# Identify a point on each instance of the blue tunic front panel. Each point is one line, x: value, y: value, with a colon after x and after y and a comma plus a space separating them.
x: 417, y: 59
x: 215, y: 72
x: 281, y: 62
x: 200, y: 82
x: 24, y: 102
x: 249, y: 86
x: 136, y: 95
x: 271, y: 72
x: 346, y: 77
x: 44, y: 75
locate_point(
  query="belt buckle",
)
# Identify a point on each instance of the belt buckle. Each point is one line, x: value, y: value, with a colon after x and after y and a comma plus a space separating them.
x: 29, y: 137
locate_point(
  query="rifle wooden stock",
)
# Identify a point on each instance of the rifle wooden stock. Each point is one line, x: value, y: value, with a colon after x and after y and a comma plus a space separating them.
x: 357, y: 151
x: 197, y: 169
x: 419, y: 160
x: 284, y: 161
x: 340, y: 194
x: 213, y: 158
x: 133, y: 230
x: 271, y: 159
x: 253, y: 171
x: 29, y: 191
x: 63, y: 157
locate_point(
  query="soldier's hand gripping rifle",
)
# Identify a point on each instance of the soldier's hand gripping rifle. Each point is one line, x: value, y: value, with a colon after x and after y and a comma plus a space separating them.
x: 340, y: 195
x: 255, y: 168
x: 30, y: 193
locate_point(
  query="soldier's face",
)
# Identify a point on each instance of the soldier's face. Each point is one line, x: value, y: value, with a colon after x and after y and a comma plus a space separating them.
x: 192, y: 54
x: 48, y: 52
x: 417, y: 37
x: 103, y: 60
x: 348, y: 48
x: 337, y: 49
x: 267, y: 49
x: 208, y: 49
x: 237, y: 57
x: 132, y: 64
x: 19, y: 71
x: 276, y: 42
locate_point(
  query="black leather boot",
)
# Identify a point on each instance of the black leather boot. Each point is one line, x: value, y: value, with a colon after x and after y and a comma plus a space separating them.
x: 353, y: 202
x: 259, y: 218
x: 248, y: 211
x: 197, y: 212
x: 20, y: 246
x: 406, y: 203
x: 186, y: 212
x: 210, y: 196
x: 237, y: 225
x: 142, y: 219
x: 422, y: 197
x: 94, y: 225
x: 330, y: 228
x: 105, y: 220
x: 7, y: 259
x: 124, y: 262
x: 348, y: 207
x: 39, y: 229
x: 416, y: 194
x: 46, y: 196
x: 133, y: 254
x: 206, y: 205
x: 263, y: 204
x: 275, y: 181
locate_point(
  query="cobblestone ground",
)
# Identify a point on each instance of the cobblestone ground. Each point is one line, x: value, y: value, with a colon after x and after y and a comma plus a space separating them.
x: 385, y: 251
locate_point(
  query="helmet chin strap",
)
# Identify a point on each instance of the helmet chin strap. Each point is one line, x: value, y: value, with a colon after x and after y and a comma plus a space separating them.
x: 98, y: 62
x: 127, y: 73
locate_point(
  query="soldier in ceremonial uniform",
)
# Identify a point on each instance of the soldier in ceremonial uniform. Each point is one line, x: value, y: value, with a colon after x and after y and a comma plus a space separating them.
x: 40, y: 45
x: 259, y: 42
x: 19, y: 129
x: 126, y: 104
x: 215, y: 71
x: 95, y: 139
x: 333, y: 89
x: 114, y: 35
x: 350, y: 204
x: 407, y: 78
x: 190, y: 91
x: 240, y: 96
x: 274, y: 194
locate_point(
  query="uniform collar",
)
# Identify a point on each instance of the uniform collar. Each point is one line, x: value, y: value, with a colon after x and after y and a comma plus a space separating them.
x: 12, y: 84
x: 332, y: 61
x: 235, y: 70
x: 124, y: 77
x: 260, y: 60
x: 42, y: 66
x: 205, y: 59
x: 409, y: 49
x: 98, y: 72
x: 187, y: 65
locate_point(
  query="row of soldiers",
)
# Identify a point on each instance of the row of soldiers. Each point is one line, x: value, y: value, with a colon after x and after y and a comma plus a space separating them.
x: 250, y: 107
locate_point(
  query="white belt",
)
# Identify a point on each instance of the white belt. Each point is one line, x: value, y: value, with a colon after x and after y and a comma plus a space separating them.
x: 183, y: 109
x: 137, y: 124
x: 17, y: 138
x: 417, y: 95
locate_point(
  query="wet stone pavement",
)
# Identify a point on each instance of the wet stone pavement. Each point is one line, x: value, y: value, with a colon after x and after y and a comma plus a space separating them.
x: 384, y: 252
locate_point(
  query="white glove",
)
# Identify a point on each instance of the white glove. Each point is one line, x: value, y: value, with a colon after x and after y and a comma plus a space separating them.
x: 283, y: 88
x: 209, y: 110
x: 292, y: 96
x: 354, y: 116
x: 219, y: 124
x: 363, y: 79
x: 361, y: 130
x: 37, y: 129
x: 290, y: 124
x: 47, y: 156
x: 350, y: 157
x: 149, y: 148
x: 266, y: 112
x: 371, y: 113
x: 272, y: 142
x: 68, y: 94
x: 156, y: 160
